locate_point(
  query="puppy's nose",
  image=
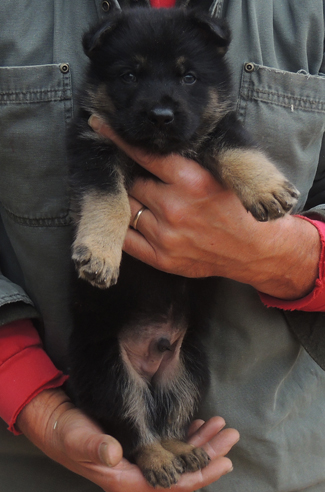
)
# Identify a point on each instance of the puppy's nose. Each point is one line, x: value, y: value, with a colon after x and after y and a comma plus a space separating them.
x: 161, y: 116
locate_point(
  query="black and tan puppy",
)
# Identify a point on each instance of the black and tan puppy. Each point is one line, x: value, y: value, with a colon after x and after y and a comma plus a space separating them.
x: 159, y: 78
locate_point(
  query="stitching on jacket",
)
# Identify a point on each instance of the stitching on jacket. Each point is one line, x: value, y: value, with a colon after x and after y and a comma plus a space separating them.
x: 285, y: 100
x: 61, y: 221
x: 34, y: 96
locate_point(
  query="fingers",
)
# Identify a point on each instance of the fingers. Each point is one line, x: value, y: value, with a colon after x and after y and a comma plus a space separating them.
x: 167, y: 172
x: 221, y: 444
x: 194, y: 427
x: 189, y: 482
x: 217, y: 442
x: 218, y: 445
x: 201, y: 432
x: 212, y: 436
x: 141, y: 243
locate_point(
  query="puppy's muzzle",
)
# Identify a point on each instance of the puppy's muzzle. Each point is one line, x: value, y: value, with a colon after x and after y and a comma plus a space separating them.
x: 161, y: 116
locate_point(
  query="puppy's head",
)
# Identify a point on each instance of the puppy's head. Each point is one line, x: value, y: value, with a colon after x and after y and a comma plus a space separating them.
x: 158, y: 76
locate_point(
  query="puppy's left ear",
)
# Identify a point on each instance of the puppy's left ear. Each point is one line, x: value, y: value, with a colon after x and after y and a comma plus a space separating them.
x: 94, y: 39
x: 217, y: 29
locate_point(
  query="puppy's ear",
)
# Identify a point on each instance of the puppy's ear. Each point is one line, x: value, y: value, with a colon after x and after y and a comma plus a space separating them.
x: 93, y: 39
x: 217, y: 29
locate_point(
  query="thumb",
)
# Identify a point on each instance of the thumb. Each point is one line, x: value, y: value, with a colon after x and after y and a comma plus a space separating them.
x: 99, y: 449
x: 84, y: 441
x: 110, y: 451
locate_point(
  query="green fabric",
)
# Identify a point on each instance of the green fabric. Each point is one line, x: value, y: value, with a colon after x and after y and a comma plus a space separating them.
x: 263, y: 382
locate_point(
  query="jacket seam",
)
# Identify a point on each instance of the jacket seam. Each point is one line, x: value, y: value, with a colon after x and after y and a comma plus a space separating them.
x: 60, y: 221
x: 303, y: 103
x: 8, y: 299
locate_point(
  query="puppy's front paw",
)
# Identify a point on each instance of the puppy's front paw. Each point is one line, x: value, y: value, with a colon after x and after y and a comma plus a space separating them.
x: 262, y: 188
x: 98, y: 270
x: 272, y: 200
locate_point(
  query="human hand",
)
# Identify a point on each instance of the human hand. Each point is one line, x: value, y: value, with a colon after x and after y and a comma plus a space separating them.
x: 193, y: 227
x: 69, y: 437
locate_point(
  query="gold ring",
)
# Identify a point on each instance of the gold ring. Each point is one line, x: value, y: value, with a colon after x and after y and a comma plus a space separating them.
x: 137, y: 217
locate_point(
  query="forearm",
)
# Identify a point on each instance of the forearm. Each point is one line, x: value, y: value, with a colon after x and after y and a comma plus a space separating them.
x: 288, y: 264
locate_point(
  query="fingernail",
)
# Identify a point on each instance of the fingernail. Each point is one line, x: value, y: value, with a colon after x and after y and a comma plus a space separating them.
x: 230, y: 470
x: 95, y: 123
x: 103, y: 454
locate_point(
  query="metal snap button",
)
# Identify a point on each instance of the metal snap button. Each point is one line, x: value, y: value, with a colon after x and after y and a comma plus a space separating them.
x: 106, y: 6
x: 64, y: 67
x: 249, y: 67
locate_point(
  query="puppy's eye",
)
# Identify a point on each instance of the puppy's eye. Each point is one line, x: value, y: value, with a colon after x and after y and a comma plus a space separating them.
x: 189, y: 78
x: 129, y: 78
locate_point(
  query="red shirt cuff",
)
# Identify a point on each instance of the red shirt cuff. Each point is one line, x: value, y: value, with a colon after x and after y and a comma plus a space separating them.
x: 25, y: 369
x: 315, y: 300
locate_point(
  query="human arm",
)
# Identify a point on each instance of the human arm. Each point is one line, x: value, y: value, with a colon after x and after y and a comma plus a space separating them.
x: 66, y: 435
x: 32, y: 402
x: 194, y: 227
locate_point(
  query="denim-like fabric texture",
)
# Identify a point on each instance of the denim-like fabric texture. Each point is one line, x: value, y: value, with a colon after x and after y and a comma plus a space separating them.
x: 263, y: 382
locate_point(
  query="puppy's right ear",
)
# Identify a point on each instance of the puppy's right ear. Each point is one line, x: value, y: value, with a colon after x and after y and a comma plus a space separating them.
x: 94, y: 39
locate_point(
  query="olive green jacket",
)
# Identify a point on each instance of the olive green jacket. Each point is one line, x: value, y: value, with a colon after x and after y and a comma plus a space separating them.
x: 263, y: 382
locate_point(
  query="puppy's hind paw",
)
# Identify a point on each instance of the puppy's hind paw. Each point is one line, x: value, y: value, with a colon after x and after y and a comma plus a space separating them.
x: 193, y: 458
x: 164, y: 476
x: 196, y: 459
x: 160, y: 467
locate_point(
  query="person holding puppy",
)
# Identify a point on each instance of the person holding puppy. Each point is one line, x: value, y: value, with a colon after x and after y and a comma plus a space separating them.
x: 264, y: 382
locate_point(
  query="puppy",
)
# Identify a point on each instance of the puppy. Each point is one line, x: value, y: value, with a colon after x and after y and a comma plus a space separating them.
x: 160, y: 80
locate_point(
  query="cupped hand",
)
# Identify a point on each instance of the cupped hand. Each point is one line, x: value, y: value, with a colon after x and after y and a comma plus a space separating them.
x: 69, y: 437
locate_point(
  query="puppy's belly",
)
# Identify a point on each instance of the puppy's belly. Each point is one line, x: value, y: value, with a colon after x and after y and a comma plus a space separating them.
x: 152, y: 352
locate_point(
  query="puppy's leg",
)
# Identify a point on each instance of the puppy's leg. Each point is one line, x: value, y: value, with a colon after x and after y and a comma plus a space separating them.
x: 262, y: 188
x: 159, y: 466
x: 101, y: 230
x: 183, y: 389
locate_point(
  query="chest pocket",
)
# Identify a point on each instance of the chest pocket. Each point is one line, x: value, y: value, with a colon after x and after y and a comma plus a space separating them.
x: 35, y: 107
x: 285, y: 111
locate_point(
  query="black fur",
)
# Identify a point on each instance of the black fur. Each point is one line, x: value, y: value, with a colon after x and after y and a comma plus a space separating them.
x: 160, y: 79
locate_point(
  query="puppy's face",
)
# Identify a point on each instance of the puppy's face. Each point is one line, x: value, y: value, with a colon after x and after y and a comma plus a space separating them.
x: 159, y: 77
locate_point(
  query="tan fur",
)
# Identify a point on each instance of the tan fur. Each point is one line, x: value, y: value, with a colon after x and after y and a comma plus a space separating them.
x: 141, y: 60
x: 99, y: 100
x: 261, y: 187
x: 101, y: 231
x: 180, y: 63
x: 215, y: 109
x: 159, y: 465
x: 194, y: 458
x: 136, y: 392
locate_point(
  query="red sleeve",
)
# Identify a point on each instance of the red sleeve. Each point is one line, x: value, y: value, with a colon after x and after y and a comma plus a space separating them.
x: 162, y: 3
x: 315, y: 301
x: 25, y: 369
